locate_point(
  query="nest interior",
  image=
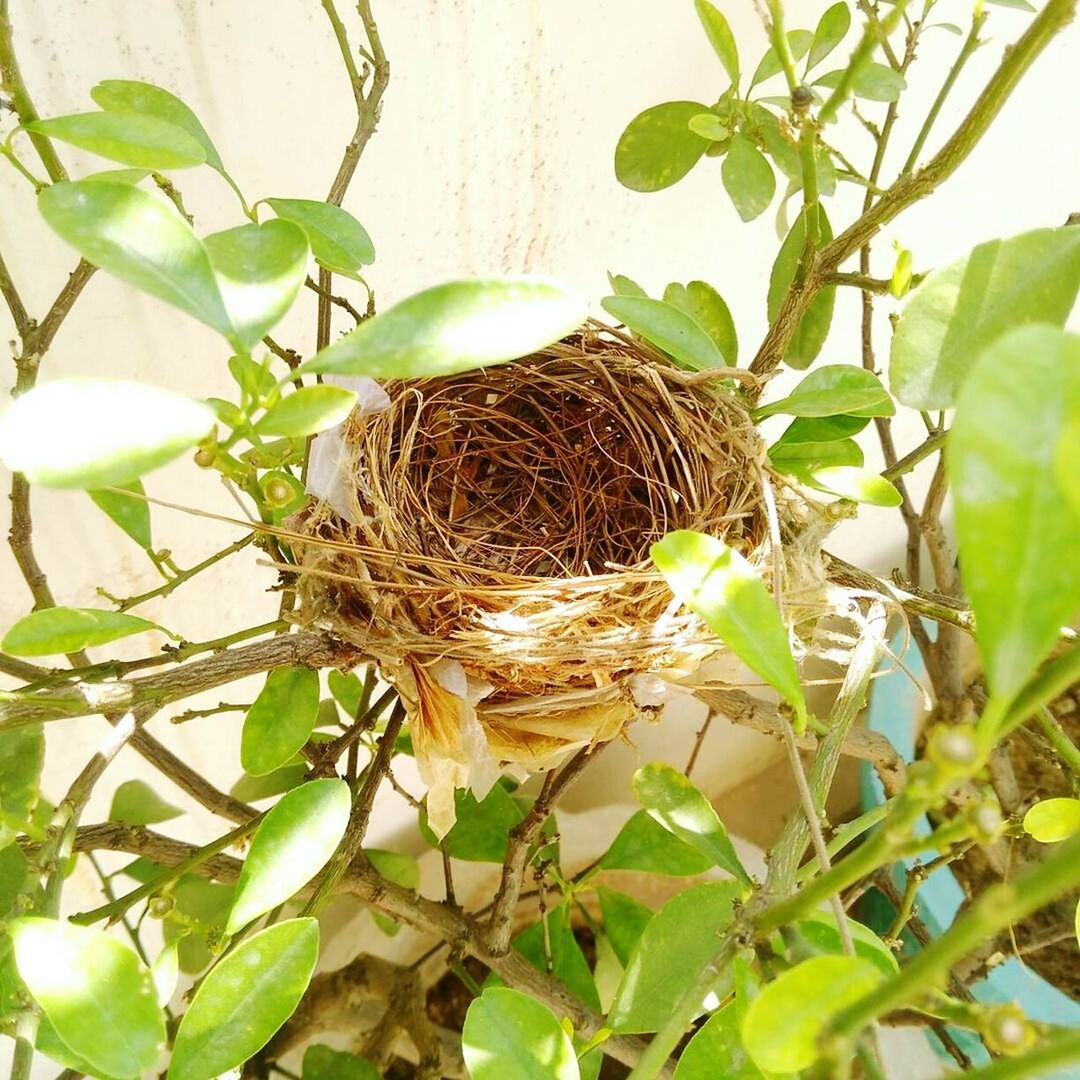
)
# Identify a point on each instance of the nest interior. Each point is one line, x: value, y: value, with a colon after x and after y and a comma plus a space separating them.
x: 503, y: 517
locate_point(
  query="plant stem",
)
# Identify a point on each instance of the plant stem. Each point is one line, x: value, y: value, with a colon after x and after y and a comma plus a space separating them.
x: 1061, y: 1048
x: 1059, y: 739
x: 908, y: 462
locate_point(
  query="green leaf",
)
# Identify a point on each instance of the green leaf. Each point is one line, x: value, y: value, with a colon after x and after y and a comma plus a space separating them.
x: 308, y: 410
x: 322, y: 1063
x: 676, y: 945
x: 22, y: 755
x: 481, y: 829
x: 851, y: 482
x: 455, y: 327
x: 784, y: 1021
x: 716, y: 1050
x: 338, y: 241
x: 131, y: 514
x: 821, y: 429
x: 709, y: 126
x: 1052, y: 820
x: 246, y: 997
x: 721, y: 587
x: 49, y: 1044
x: 117, y: 176
x: 720, y: 37
x: 96, y: 992
x: 658, y: 149
x: 831, y: 30
x: 672, y: 800
x: 348, y: 691
x: 643, y: 844
x: 140, y: 239
x: 873, y: 82
x: 280, y: 719
x: 137, y: 803
x: 621, y: 285
x: 291, y: 845
x: 13, y: 871
x: 131, y: 96
x: 568, y: 964
x: 1067, y: 460
x: 625, y: 920
x: 836, y: 389
x: 402, y: 870
x: 803, y: 459
x: 165, y: 971
x: 960, y: 309
x: 668, y: 328
x: 798, y: 40
x: 1013, y: 522
x: 507, y: 1034
x: 813, y: 329
x: 113, y: 431
x: 707, y: 308
x: 253, y: 788
x: 1020, y: 5
x: 748, y: 178
x: 820, y: 932
x: 199, y: 912
x: 51, y: 631
x: 259, y: 270
x: 142, y: 141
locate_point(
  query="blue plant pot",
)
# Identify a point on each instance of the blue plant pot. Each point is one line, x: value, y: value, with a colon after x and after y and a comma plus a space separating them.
x: 896, y: 706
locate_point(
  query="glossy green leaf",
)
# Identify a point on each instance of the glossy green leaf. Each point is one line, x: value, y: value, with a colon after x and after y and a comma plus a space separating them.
x: 668, y: 328
x: 1013, y: 522
x: 831, y: 30
x: 22, y: 755
x: 140, y: 239
x: 259, y: 270
x: 49, y: 1044
x: 851, y: 482
x: 676, y: 945
x: 280, y: 719
x: 720, y: 37
x: 131, y: 96
x: 1052, y: 820
x: 748, y: 178
x: 820, y: 932
x: 348, y: 691
x: 621, y: 285
x: 338, y: 241
x: 803, y: 459
x: 322, y: 1063
x: 455, y: 327
x: 813, y: 328
x: 873, y: 82
x: 507, y: 1034
x: 130, y: 514
x: 959, y: 310
x: 96, y: 992
x: 835, y: 389
x: 137, y: 803
x: 399, y: 868
x: 643, y: 844
x: 51, y: 631
x: 165, y: 971
x: 625, y: 920
x: 538, y: 943
x: 821, y: 429
x: 672, y: 800
x: 716, y: 1050
x: 799, y: 42
x: 707, y: 308
x: 291, y: 845
x: 481, y: 829
x: 721, y: 587
x: 142, y: 141
x: 117, y: 176
x: 254, y: 788
x: 709, y: 126
x: 658, y: 149
x: 113, y: 431
x: 308, y: 410
x: 784, y: 1021
x: 246, y: 997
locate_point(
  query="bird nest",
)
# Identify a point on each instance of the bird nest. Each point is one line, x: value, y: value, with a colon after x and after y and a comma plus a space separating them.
x: 490, y: 543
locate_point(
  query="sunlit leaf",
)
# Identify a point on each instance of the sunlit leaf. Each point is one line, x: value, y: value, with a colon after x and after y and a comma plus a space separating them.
x: 480, y: 829
x: 117, y: 176
x: 672, y: 799
x: 709, y: 126
x: 244, y: 999
x: 674, y: 948
x: 721, y: 587
x: 960, y: 309
x: 851, y: 482
x: 748, y: 178
x: 658, y: 149
x: 455, y: 327
x: 707, y: 308
x: 783, y: 1022
x: 720, y: 37
x: 831, y: 30
x: 1051, y: 820
x: 130, y: 514
x: 96, y: 992
x: 142, y: 141
x: 669, y: 328
x: 307, y: 410
x: 165, y: 971
x: 280, y: 720
x: 820, y: 429
x: 22, y: 755
x: 259, y: 270
x: 716, y: 1050
x: 323, y: 1063
x: 137, y: 803
x: 507, y: 1034
x: 643, y: 844
x: 835, y: 389
x: 91, y: 433
x: 140, y: 239
x: 338, y: 241
x: 291, y: 845
x: 1013, y: 521
x: 50, y: 631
